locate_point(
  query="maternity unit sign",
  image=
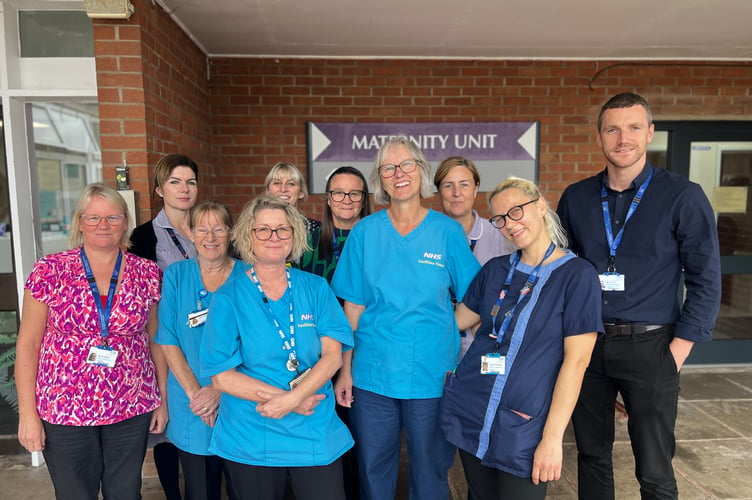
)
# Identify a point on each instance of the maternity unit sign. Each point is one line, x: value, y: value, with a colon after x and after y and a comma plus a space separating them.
x: 498, y: 149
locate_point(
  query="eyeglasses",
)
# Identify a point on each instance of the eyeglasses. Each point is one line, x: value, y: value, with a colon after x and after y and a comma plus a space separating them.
x: 515, y: 213
x: 388, y: 170
x: 93, y: 220
x: 265, y: 233
x: 339, y: 196
x: 202, y: 232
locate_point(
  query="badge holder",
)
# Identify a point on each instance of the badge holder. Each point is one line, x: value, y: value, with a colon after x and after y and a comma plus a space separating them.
x: 102, y: 355
x: 493, y: 363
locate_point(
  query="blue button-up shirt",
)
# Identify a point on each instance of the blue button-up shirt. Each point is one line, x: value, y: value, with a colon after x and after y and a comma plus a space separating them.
x: 671, y: 235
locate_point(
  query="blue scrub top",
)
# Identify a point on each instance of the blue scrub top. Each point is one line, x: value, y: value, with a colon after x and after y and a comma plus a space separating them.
x: 241, y: 335
x: 407, y: 337
x: 500, y: 418
x: 180, y: 287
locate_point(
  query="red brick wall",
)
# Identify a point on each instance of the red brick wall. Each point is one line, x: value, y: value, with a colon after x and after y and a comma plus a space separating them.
x: 259, y: 106
x: 238, y: 116
x: 153, y: 98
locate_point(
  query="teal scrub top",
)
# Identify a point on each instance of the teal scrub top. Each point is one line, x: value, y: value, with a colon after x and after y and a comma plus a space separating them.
x: 407, y: 338
x: 240, y: 334
x: 180, y: 288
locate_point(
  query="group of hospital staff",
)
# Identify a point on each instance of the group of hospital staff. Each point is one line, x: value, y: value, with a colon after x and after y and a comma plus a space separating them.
x: 286, y: 357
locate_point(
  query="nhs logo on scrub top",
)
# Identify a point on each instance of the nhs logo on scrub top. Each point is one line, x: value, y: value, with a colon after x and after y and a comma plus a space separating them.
x: 431, y: 259
x: 307, y: 319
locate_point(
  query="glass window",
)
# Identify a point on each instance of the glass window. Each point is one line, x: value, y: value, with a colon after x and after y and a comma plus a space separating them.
x: 67, y: 159
x: 52, y: 33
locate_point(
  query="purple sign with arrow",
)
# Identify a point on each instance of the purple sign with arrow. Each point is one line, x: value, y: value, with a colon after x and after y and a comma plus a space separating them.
x: 499, y: 149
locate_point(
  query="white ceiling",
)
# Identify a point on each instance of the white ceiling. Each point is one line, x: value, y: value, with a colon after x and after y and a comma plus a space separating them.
x: 470, y: 29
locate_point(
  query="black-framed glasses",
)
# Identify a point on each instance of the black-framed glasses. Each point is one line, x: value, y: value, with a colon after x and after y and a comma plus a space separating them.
x: 93, y: 220
x: 339, y: 196
x: 389, y: 169
x: 514, y: 213
x: 265, y: 233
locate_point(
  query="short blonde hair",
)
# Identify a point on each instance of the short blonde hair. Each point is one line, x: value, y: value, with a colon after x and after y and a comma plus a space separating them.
x: 550, y: 218
x: 243, y: 239
x: 290, y: 169
x: 380, y: 196
x: 97, y: 189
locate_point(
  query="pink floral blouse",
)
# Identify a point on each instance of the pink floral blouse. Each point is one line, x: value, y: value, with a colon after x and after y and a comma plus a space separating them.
x: 69, y: 390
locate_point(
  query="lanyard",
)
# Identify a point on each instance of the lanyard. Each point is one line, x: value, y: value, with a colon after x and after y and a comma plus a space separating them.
x: 287, y: 344
x: 613, y: 243
x: 175, y: 240
x: 526, y: 288
x: 103, y: 312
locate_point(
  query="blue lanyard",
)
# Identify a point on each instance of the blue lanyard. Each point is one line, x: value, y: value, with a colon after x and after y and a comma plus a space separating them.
x: 103, y: 312
x: 175, y: 240
x: 287, y: 344
x: 613, y: 243
x: 526, y: 288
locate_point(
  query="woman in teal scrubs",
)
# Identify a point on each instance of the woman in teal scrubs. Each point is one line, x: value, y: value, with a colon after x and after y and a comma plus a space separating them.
x: 397, y: 275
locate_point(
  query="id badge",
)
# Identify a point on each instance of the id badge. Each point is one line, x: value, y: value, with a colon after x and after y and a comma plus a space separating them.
x: 493, y: 363
x: 102, y: 356
x: 197, y: 318
x: 612, y: 282
x: 299, y: 378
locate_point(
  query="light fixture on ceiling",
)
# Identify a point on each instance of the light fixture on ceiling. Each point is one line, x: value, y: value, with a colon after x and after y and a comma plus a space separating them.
x: 108, y: 9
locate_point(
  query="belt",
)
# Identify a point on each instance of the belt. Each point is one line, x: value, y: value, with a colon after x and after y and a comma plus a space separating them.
x: 630, y: 328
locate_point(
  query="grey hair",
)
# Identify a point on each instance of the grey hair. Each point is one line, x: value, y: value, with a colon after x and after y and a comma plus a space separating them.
x: 380, y: 196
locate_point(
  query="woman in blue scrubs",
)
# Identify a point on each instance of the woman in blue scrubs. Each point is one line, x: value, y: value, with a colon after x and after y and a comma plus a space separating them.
x: 397, y: 275
x: 273, y: 340
x: 187, y: 290
x: 509, y: 401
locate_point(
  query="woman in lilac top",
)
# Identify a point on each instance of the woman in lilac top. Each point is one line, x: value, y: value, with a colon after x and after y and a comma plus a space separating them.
x: 457, y: 181
x: 88, y: 390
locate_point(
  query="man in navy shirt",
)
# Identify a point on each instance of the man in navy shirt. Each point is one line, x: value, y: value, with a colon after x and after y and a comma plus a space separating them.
x: 644, y: 229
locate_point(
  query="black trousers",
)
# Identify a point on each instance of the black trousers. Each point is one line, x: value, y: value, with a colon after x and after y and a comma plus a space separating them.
x: 80, y: 459
x: 487, y: 483
x: 269, y: 483
x: 642, y: 369
x: 203, y: 476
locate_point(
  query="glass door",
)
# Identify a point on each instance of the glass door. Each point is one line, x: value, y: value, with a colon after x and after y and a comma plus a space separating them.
x: 718, y: 156
x: 724, y: 170
x: 8, y: 303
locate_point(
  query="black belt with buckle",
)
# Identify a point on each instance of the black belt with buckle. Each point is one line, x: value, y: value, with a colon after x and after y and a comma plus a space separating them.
x: 630, y: 328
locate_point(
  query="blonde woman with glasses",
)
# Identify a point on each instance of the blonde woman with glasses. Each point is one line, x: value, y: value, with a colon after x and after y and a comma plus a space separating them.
x: 89, y: 376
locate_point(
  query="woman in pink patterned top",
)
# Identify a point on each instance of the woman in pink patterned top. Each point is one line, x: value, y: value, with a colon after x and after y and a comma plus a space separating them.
x: 89, y: 377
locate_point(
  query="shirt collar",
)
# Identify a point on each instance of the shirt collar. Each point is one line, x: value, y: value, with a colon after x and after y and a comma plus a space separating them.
x: 477, y: 230
x: 639, y: 180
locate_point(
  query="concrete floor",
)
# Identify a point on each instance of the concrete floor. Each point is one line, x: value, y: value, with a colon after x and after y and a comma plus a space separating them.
x: 713, y: 457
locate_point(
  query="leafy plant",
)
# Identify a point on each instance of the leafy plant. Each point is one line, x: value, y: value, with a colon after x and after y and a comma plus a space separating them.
x: 7, y: 361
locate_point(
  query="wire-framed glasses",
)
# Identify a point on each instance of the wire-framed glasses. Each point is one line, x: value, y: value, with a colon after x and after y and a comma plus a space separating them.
x: 389, y: 169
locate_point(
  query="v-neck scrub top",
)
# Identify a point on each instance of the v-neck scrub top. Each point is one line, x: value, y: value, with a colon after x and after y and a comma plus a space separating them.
x: 180, y: 287
x: 240, y: 334
x: 407, y: 337
x: 500, y: 418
